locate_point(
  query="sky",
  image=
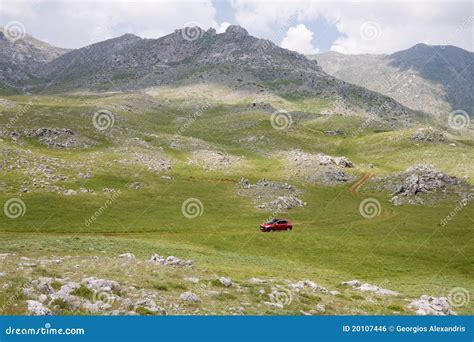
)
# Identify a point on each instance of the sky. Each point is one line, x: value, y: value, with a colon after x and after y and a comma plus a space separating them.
x: 307, y: 27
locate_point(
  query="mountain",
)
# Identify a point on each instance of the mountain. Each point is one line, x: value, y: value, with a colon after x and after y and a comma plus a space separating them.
x: 20, y: 60
x: 233, y: 59
x: 434, y: 79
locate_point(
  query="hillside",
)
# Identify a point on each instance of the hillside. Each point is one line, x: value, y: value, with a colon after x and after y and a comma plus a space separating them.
x: 232, y: 59
x: 434, y: 79
x: 21, y: 60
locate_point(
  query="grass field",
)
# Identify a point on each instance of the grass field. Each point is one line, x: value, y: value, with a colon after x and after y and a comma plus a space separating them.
x: 405, y: 248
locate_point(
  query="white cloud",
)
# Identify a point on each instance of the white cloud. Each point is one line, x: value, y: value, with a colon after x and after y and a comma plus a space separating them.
x: 222, y: 27
x: 78, y: 23
x: 299, y: 39
x: 401, y: 24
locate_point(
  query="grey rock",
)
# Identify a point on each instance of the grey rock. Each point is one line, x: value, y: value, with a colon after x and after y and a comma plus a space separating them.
x: 227, y: 282
x: 174, y: 261
x: 157, y: 258
x: 189, y: 297
x: 428, y: 305
x: 321, y: 308
x: 366, y: 287
x: 36, y: 308
x: 429, y: 135
x: 334, y: 133
x: 307, y: 284
x: 193, y: 280
x: 103, y: 285
x: 257, y: 281
x: 128, y: 256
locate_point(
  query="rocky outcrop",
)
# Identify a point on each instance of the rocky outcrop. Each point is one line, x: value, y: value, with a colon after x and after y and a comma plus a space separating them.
x: 171, y: 261
x: 36, y: 308
x: 282, y: 204
x: 428, y: 305
x: 366, y: 287
x: 61, y: 138
x: 429, y: 135
x: 190, y: 297
x: 317, y: 168
x: 213, y: 160
x: 307, y: 284
x: 271, y: 196
x: 419, y: 184
x: 424, y: 178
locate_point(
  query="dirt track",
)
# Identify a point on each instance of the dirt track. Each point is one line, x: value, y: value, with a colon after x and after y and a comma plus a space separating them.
x: 354, y: 188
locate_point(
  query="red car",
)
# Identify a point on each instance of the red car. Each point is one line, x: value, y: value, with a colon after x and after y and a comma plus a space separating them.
x: 276, y: 224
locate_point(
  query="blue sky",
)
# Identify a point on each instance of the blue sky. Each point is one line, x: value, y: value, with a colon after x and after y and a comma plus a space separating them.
x: 326, y: 33
x: 305, y: 26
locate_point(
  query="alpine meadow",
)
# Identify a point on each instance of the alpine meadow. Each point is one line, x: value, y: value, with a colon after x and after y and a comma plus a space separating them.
x: 137, y: 173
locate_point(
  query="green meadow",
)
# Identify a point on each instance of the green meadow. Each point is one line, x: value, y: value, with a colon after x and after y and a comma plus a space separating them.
x: 404, y: 248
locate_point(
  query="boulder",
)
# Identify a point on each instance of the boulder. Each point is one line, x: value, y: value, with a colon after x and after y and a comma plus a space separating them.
x: 128, y: 256
x: 190, y: 297
x: 157, y: 258
x: 102, y: 285
x: 174, y: 261
x: 343, y: 162
x: 227, y: 282
x: 366, y: 287
x: 428, y: 305
x: 36, y: 308
x: 303, y: 284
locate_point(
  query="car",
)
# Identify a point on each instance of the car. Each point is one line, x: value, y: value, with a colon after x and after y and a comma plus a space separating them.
x: 276, y: 224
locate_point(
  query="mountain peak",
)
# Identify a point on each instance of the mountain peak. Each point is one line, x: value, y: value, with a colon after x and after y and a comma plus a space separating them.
x: 236, y: 30
x: 129, y: 36
x: 421, y: 46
